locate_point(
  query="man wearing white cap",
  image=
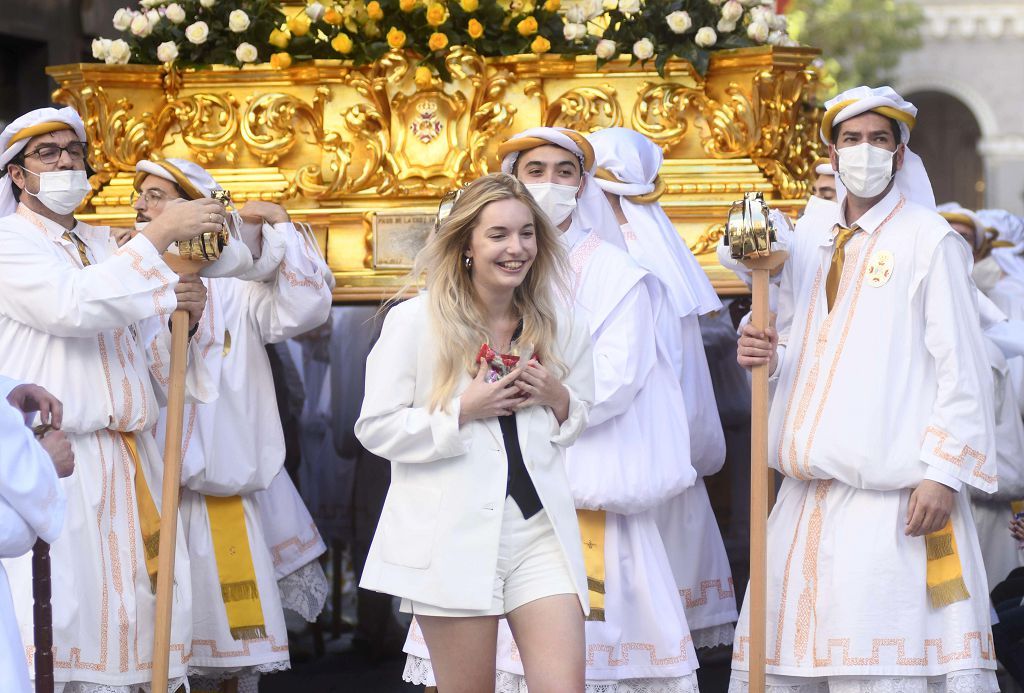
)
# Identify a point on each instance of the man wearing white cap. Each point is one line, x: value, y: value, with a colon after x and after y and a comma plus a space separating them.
x: 626, y: 463
x: 234, y: 446
x: 70, y: 307
x: 32, y: 502
x: 627, y: 171
x: 882, y: 411
x: 1007, y: 292
x: 823, y: 179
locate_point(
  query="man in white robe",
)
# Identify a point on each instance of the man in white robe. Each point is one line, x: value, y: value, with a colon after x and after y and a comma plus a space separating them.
x: 1007, y: 292
x: 32, y: 505
x: 70, y: 306
x: 627, y: 172
x: 824, y: 180
x: 882, y: 411
x: 234, y: 446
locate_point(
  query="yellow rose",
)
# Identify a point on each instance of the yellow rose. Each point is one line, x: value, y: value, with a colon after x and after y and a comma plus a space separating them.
x: 423, y: 76
x: 407, y: 5
x: 396, y: 38
x: 469, y: 5
x: 299, y: 24
x: 527, y: 27
x: 436, y: 14
x: 437, y: 41
x: 374, y: 12
x: 540, y: 45
x: 332, y: 16
x: 342, y: 43
x: 475, y: 28
x: 279, y: 38
x: 281, y: 61
x: 552, y: 5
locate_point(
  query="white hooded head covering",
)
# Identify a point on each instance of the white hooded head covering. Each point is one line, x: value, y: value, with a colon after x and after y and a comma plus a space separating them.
x: 912, y: 179
x: 627, y: 165
x: 823, y: 167
x: 592, y: 208
x: 954, y: 213
x: 1008, y: 248
x: 17, y: 135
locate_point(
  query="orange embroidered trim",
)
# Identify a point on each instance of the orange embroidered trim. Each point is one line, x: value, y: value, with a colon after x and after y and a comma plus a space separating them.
x: 807, y: 605
x: 793, y: 471
x: 278, y: 550
x: 705, y: 587
x: 626, y: 648
x: 959, y: 460
x: 295, y: 281
x: 216, y: 653
x: 579, y: 258
x: 148, y: 274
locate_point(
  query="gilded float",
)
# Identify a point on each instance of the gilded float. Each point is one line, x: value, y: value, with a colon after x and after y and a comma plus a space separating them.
x: 364, y: 154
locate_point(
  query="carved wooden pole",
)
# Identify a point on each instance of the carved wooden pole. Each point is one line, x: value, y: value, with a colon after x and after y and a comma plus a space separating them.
x: 42, y: 617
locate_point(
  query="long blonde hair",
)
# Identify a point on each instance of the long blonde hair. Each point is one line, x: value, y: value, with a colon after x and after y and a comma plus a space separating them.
x: 455, y: 313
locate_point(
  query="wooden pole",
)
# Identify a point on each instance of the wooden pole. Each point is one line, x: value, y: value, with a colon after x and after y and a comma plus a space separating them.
x: 169, y: 501
x: 762, y: 488
x: 42, y: 617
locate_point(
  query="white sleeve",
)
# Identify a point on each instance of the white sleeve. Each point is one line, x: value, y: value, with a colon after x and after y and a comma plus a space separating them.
x: 389, y: 425
x: 68, y: 301
x: 579, y: 359
x: 625, y: 351
x: 297, y: 299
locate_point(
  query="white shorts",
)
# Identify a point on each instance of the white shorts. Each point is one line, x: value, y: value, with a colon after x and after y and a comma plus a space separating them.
x: 531, y: 565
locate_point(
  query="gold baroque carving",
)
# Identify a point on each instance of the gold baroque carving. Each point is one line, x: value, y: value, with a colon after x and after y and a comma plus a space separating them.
x: 709, y: 240
x: 585, y: 109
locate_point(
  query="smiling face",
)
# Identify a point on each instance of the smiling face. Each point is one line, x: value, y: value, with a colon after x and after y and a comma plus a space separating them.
x: 503, y: 246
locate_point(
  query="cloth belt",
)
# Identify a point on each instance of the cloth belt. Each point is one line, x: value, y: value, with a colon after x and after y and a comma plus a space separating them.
x: 835, y: 270
x: 945, y: 574
x: 149, y: 516
x: 592, y: 526
x: 235, y: 568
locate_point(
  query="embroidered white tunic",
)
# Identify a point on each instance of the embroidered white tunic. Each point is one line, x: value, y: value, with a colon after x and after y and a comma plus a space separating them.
x: 73, y: 331
x: 889, y: 388
x: 31, y: 505
x: 234, y: 446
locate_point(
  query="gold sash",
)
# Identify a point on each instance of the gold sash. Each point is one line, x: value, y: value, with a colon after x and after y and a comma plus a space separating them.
x: 235, y: 569
x: 592, y: 524
x: 945, y: 575
x: 149, y: 516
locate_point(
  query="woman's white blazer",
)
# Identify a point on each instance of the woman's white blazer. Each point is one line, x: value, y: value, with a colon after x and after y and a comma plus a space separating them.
x: 437, y: 540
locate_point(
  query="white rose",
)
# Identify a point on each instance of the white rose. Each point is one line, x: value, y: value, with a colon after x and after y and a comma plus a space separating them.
x: 761, y: 14
x: 123, y: 19
x: 593, y: 8
x: 758, y: 31
x: 100, y: 48
x: 166, y: 52
x: 705, y: 37
x: 778, y: 22
x: 606, y: 49
x: 574, y: 32
x: 197, y: 33
x: 629, y: 7
x: 643, y: 49
x: 153, y: 16
x: 246, y: 53
x: 238, y: 21
x: 150, y: 3
x: 725, y: 27
x: 120, y: 52
x: 575, y: 15
x: 174, y: 13
x: 141, y: 26
x: 315, y: 11
x: 776, y: 38
x: 731, y: 11
x: 679, y: 22
x: 207, y: 3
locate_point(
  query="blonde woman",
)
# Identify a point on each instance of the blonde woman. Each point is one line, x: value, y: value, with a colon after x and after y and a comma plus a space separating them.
x: 479, y: 523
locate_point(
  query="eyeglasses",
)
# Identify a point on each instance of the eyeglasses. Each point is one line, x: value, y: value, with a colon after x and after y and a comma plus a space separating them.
x: 51, y: 153
x: 152, y: 198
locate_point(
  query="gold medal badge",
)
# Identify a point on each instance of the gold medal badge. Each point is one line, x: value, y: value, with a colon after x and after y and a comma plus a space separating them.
x: 880, y: 268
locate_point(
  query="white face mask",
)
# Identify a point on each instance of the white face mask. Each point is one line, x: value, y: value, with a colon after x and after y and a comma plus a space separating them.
x: 140, y: 226
x: 557, y: 201
x: 865, y: 169
x: 61, y: 191
x: 986, y: 274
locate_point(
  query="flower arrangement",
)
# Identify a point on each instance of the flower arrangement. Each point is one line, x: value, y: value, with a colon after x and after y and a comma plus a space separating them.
x: 236, y: 32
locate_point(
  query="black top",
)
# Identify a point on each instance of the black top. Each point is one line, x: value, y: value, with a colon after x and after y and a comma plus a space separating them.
x: 519, y: 485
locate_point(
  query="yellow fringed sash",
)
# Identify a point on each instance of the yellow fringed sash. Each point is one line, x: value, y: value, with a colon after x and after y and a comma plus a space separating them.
x: 149, y: 516
x: 235, y: 568
x: 592, y: 524
x: 945, y: 575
